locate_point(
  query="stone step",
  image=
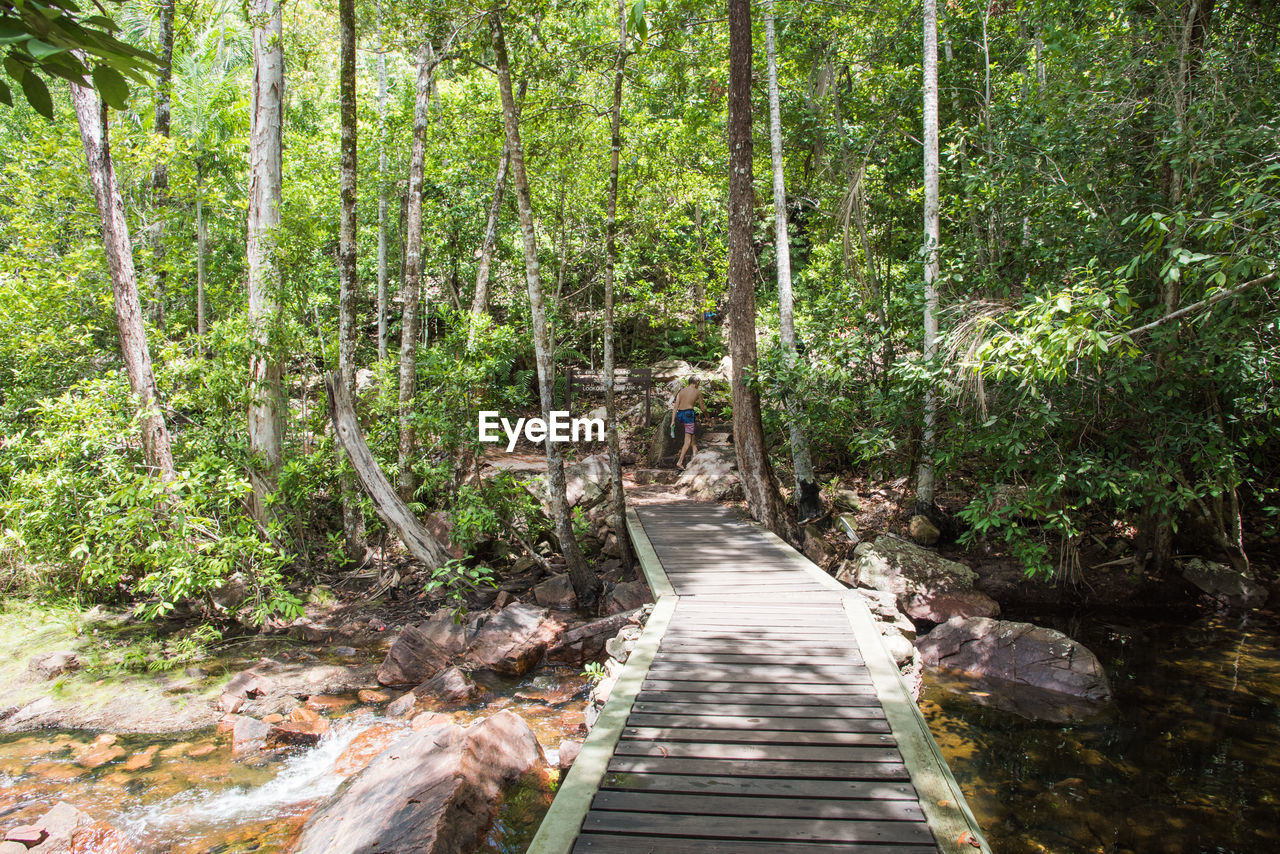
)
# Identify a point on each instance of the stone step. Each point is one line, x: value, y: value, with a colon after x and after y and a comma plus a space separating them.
x: 645, y: 477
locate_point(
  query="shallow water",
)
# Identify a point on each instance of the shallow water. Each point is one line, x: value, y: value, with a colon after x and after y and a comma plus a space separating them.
x: 1187, y: 760
x: 189, y: 795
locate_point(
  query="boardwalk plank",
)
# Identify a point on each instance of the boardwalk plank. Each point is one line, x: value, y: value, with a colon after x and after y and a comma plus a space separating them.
x: 753, y: 736
x: 593, y: 843
x: 668, y: 802
x: 857, y: 695
x: 762, y: 768
x: 791, y: 788
x: 696, y: 826
x: 797, y: 753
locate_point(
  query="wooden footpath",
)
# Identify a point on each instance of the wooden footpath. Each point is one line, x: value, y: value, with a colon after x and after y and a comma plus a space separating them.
x: 759, y: 712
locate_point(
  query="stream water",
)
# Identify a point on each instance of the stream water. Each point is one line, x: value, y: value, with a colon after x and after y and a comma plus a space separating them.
x: 185, y: 794
x: 1186, y: 762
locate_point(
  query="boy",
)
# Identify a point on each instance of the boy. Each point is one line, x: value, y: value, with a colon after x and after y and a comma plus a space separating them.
x: 682, y: 413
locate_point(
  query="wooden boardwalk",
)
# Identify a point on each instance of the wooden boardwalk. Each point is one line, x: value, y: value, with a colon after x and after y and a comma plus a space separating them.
x: 758, y: 713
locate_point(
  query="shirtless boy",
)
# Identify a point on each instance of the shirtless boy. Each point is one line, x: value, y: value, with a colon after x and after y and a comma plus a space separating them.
x: 682, y: 413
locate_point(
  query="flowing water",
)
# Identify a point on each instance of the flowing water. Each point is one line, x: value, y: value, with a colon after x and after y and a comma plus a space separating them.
x: 1186, y: 762
x: 184, y: 794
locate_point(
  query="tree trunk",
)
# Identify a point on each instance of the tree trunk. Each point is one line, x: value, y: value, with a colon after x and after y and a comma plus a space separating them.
x: 619, y: 500
x: 924, y: 473
x: 699, y: 284
x: 160, y: 176
x: 758, y: 481
x: 352, y: 520
x: 92, y: 117
x: 202, y: 249
x: 585, y: 583
x: 382, y: 194
x: 808, y: 502
x: 416, y: 538
x: 412, y: 287
x: 480, y: 299
x: 266, y: 372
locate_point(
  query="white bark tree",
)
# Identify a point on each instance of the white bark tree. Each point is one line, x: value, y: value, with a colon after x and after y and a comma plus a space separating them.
x: 924, y: 472
x: 382, y: 193
x: 808, y: 500
x: 267, y: 407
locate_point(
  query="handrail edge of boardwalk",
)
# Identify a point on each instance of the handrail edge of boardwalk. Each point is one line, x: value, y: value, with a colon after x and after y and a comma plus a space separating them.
x: 562, y: 824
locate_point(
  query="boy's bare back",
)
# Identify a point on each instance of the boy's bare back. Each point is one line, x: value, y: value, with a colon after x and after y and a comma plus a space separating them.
x: 688, y: 397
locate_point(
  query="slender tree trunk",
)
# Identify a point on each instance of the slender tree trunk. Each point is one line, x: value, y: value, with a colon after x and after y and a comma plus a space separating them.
x: 382, y: 193
x: 758, y: 480
x: 92, y: 117
x: 585, y: 582
x: 700, y: 284
x: 352, y: 518
x: 480, y: 299
x: 610, y: 255
x: 202, y: 248
x: 412, y: 288
x: 808, y: 502
x: 267, y: 409
x: 924, y: 474
x: 160, y: 176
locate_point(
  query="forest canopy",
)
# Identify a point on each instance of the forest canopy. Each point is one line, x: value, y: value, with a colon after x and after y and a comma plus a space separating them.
x: 1106, y: 300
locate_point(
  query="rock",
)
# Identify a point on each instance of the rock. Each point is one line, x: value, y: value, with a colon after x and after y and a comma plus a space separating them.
x: 328, y: 703
x: 1238, y: 589
x: 365, y: 746
x: 12, y: 848
x: 427, y: 719
x: 503, y: 599
x: 233, y: 592
x: 402, y: 705
x: 846, y: 499
x: 514, y: 640
x: 366, y: 381
x: 942, y: 606
x: 568, y: 753
x: 49, y: 665
x: 587, y: 482
x: 28, y: 834
x: 248, y: 683
x: 422, y: 650
x: 586, y: 642
x: 102, y: 751
x: 906, y: 570
x: 897, y: 645
x: 923, y: 531
x: 627, y: 596
x: 556, y: 592
x: 611, y: 547
x: 58, y: 826
x: 273, y: 718
x: 304, y: 727
x: 370, y: 697
x: 435, y: 791
x: 142, y: 759
x: 230, y: 703
x: 815, y: 546
x: 441, y: 527
x: 711, y: 474
x: 305, y: 629
x: 1017, y: 653
x: 249, y: 735
x: 449, y: 687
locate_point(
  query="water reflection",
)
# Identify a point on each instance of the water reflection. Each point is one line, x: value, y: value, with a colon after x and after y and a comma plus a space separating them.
x: 1188, y: 760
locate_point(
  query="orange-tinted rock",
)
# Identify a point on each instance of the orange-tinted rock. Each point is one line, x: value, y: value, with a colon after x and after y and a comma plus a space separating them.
x: 304, y: 727
x: 102, y: 751
x: 273, y: 718
x: 515, y: 639
x: 328, y: 703
x: 249, y: 735
x: 427, y: 719
x: 201, y: 750
x: 422, y: 650
x: 141, y: 760
x: 365, y: 746
x: 99, y: 838
x: 371, y: 697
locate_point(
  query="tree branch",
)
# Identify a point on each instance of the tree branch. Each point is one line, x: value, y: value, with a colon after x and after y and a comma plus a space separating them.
x: 1194, y: 307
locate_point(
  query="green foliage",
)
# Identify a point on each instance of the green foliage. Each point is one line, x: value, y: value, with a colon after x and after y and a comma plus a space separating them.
x: 457, y: 580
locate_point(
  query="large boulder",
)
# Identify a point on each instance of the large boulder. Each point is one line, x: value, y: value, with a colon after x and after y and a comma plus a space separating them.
x: 587, y: 482
x: 926, y: 585
x: 1229, y: 585
x: 1016, y: 653
x: 435, y: 791
x: 514, y: 640
x: 422, y: 650
x: 64, y: 829
x: 449, y: 687
x: 711, y: 474
x: 556, y: 592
